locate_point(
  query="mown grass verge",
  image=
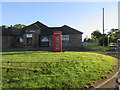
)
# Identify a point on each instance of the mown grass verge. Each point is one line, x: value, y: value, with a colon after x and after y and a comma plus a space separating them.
x: 96, y: 47
x: 36, y: 69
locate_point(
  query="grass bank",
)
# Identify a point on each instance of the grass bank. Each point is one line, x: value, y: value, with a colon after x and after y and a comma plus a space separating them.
x: 36, y: 69
x: 95, y: 47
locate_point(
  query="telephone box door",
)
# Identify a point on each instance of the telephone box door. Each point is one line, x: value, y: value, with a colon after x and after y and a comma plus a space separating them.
x: 57, y: 41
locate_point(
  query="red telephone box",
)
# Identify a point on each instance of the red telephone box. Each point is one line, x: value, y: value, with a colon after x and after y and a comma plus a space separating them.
x: 57, y: 41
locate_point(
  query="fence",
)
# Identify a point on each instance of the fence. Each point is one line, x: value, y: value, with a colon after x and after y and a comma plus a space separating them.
x: 118, y: 49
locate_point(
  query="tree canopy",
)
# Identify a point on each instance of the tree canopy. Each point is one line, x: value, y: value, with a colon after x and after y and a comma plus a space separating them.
x: 19, y: 25
x: 15, y: 26
x: 114, y: 35
x: 96, y: 35
x: 4, y: 26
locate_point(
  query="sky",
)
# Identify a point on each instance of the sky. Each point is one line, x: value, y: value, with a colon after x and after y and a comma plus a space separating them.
x: 83, y: 16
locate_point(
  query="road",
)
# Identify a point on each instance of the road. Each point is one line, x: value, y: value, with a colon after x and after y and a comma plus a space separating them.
x: 111, y: 83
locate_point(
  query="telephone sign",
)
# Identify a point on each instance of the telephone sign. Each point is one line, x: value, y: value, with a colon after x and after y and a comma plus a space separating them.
x: 57, y: 41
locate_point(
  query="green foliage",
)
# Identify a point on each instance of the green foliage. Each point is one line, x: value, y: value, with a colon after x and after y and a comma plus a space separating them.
x: 15, y: 26
x: 36, y: 69
x: 96, y: 35
x: 86, y: 39
x: 4, y: 26
x: 19, y: 25
x: 95, y: 47
x: 114, y: 35
x: 112, y: 44
x: 105, y: 41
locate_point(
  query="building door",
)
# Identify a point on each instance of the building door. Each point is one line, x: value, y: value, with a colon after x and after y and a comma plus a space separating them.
x: 29, y: 41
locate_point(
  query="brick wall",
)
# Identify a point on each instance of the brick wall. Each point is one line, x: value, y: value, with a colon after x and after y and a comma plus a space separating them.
x: 75, y: 40
x: 8, y: 42
x: 18, y: 44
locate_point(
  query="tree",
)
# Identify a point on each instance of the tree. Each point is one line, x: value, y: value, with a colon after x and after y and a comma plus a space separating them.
x: 96, y: 35
x: 86, y: 39
x: 114, y: 35
x: 19, y: 25
x: 4, y: 26
x: 105, y: 40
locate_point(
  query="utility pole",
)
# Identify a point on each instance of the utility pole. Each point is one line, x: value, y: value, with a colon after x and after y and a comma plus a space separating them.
x: 103, y: 27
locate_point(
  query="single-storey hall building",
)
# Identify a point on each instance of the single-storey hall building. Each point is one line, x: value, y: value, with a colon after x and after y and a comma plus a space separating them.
x: 38, y: 35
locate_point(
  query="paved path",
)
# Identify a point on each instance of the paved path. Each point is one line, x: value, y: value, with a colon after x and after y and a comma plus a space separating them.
x: 110, y: 82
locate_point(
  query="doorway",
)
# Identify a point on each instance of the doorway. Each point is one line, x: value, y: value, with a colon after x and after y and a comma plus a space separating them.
x: 29, y: 41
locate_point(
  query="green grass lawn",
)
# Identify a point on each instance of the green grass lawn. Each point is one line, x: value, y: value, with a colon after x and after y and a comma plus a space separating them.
x: 96, y: 47
x: 37, y: 69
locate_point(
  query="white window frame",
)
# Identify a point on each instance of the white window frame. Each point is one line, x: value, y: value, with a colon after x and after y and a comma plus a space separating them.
x: 32, y: 30
x: 20, y: 39
x: 45, y: 39
x: 65, y: 37
x: 29, y: 35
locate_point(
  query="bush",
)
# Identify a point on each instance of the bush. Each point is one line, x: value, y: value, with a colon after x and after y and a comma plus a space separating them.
x: 95, y: 47
x: 105, y: 41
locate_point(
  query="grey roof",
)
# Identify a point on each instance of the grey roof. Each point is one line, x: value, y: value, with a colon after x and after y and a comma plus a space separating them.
x: 12, y: 31
x: 35, y: 25
x: 16, y: 31
x: 45, y: 30
x: 65, y: 30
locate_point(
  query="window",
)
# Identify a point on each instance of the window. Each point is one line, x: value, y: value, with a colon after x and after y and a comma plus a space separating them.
x: 29, y: 35
x: 65, y: 37
x: 20, y: 39
x: 32, y: 30
x: 45, y: 40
